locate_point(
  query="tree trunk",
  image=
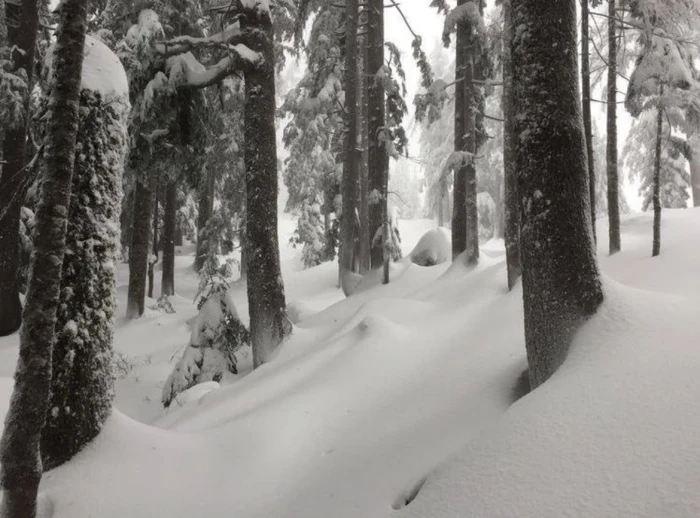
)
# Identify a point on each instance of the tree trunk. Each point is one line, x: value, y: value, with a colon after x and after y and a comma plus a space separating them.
x: 459, y: 191
x: 511, y: 202
x: 656, y: 195
x: 561, y: 283
x: 694, y: 162
x: 586, y: 99
x: 19, y: 451
x: 140, y: 240
x: 169, y: 222
x: 376, y: 109
x: 152, y: 262
x: 23, y: 36
x: 269, y: 324
x: 206, y: 203
x: 353, y: 155
x: 471, y: 207
x: 365, y: 238
x: 613, y: 179
x: 82, y: 385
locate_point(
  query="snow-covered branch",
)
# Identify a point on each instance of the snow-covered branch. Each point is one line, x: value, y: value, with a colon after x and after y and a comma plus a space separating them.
x: 185, y: 70
x: 231, y: 35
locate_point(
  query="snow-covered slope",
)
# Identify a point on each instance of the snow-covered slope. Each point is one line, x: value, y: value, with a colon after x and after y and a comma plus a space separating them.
x: 412, y: 380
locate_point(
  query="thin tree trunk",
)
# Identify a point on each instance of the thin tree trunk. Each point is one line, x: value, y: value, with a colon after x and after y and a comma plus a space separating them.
x: 613, y: 179
x: 586, y: 99
x: 386, y: 241
x: 656, y: 195
x: 365, y: 237
x: 140, y: 240
x: 561, y: 283
x: 19, y: 450
x: 12, y: 175
x: 154, y: 251
x: 206, y: 203
x: 512, y: 202
x: 353, y: 155
x: 694, y: 162
x: 269, y: 324
x: 471, y: 208
x: 376, y: 114
x: 459, y: 191
x: 169, y: 221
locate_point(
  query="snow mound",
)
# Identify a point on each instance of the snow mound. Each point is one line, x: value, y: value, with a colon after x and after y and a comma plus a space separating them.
x: 433, y: 248
x: 102, y: 71
x: 612, y: 433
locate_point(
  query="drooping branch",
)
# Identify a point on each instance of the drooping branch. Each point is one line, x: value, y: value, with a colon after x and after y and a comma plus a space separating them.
x: 231, y: 35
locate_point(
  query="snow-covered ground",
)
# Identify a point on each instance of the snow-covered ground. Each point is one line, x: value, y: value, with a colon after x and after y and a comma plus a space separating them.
x: 374, y: 393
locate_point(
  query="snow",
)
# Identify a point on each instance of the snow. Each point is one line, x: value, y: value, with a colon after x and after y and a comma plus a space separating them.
x: 410, y: 381
x: 102, y: 71
x: 433, y: 248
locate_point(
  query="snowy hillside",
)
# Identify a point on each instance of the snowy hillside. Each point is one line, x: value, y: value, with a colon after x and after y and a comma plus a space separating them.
x: 374, y: 393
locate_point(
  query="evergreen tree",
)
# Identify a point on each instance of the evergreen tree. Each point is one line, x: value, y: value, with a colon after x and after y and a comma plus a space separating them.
x: 17, y: 44
x: 82, y: 385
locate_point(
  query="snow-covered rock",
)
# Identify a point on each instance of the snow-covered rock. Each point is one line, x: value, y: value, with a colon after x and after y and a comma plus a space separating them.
x: 433, y: 248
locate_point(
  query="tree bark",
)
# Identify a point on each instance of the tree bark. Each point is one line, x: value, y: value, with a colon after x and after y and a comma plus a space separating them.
x: 656, y: 194
x: 459, y: 190
x: 269, y: 324
x: 586, y: 99
x: 351, y: 164
x: 140, y: 240
x: 169, y: 222
x: 512, y: 201
x: 613, y: 179
x: 19, y: 451
x: 206, y: 204
x: 376, y: 109
x: 470, y: 205
x: 561, y: 284
x: 365, y: 237
x: 23, y: 36
x: 154, y: 250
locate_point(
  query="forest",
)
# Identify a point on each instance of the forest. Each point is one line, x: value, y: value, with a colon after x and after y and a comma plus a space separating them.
x: 349, y: 258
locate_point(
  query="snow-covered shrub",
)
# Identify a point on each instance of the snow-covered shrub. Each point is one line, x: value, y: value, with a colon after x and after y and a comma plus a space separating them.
x: 394, y: 244
x: 311, y: 234
x: 216, y: 335
x: 433, y: 248
x: 82, y: 386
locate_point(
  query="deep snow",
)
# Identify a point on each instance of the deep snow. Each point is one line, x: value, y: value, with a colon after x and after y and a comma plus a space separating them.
x: 376, y: 392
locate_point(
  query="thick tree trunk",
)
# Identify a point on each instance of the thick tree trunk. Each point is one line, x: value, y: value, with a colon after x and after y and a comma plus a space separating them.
x: 511, y: 201
x: 206, y: 204
x: 376, y: 109
x: 140, y: 240
x: 561, y: 284
x: 351, y: 164
x: 154, y: 250
x: 169, y: 223
x: 656, y: 194
x: 82, y: 385
x: 586, y: 99
x: 613, y: 179
x: 19, y: 451
x: 269, y: 324
x: 23, y: 36
x: 459, y: 191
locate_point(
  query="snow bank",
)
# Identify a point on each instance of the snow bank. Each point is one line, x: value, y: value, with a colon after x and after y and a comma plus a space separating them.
x: 102, y: 71
x: 434, y: 247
